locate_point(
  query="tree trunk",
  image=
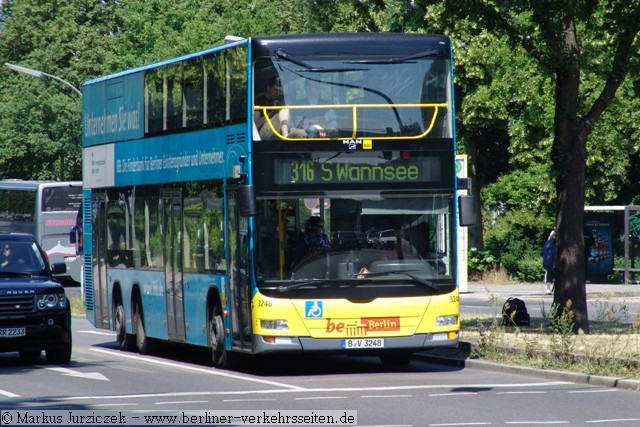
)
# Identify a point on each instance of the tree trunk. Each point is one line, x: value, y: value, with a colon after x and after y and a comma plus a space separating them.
x: 569, y: 160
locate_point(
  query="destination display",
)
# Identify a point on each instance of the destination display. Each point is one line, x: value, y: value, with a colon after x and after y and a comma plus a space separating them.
x: 309, y: 171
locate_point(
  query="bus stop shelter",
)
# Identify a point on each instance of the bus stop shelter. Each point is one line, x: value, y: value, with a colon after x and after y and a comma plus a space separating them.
x: 612, y: 242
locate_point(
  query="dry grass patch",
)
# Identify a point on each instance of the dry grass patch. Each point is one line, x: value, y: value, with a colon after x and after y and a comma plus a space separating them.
x: 612, y: 349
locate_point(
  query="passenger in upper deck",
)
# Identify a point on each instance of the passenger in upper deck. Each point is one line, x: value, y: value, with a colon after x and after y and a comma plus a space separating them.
x: 278, y: 117
x: 313, y: 123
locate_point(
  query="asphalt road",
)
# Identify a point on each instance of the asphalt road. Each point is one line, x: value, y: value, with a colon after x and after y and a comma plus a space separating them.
x: 177, y: 379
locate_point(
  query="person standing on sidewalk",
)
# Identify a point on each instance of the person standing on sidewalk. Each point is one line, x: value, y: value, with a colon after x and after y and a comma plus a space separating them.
x: 549, y: 261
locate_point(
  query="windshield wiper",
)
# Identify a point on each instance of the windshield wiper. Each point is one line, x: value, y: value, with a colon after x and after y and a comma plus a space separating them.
x: 421, y: 281
x: 318, y: 283
x: 280, y: 53
x: 426, y: 54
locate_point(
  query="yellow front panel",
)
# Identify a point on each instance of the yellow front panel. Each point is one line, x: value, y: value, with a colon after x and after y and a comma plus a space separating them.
x: 338, y: 318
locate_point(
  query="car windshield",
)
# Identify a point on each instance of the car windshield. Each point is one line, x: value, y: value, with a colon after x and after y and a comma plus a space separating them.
x: 21, y: 257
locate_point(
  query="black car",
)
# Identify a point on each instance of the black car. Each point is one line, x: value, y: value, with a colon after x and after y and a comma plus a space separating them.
x: 346, y: 240
x: 35, y: 314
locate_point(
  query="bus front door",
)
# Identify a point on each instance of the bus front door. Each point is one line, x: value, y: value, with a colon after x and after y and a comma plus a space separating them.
x: 173, y: 264
x: 239, y: 283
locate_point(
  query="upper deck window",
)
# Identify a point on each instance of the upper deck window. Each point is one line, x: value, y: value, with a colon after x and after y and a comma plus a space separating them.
x: 200, y: 92
x: 345, y: 97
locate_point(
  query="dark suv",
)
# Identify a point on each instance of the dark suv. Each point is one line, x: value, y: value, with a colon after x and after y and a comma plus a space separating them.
x: 346, y: 240
x: 34, y: 311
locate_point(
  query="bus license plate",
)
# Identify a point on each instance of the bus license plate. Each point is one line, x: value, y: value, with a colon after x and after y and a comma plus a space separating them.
x: 12, y: 332
x: 363, y: 343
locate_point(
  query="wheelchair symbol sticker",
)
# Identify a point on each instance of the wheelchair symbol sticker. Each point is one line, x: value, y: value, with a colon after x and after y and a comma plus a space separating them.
x: 313, y: 309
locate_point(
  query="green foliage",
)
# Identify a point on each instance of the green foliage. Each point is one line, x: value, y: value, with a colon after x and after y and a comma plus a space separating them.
x: 526, y: 267
x: 479, y: 261
x: 40, y: 119
x: 527, y: 189
x: 515, y: 240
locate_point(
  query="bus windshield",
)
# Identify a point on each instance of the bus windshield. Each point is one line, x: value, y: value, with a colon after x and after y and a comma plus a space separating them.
x: 342, y: 97
x: 351, y: 238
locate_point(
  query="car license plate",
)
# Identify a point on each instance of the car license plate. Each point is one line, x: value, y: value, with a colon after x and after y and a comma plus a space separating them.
x: 12, y: 332
x: 363, y: 343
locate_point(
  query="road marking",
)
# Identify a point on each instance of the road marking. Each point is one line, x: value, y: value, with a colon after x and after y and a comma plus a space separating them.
x: 536, y: 422
x: 8, y: 394
x: 595, y: 390
x: 77, y: 374
x: 521, y: 392
x: 211, y: 371
x: 460, y: 424
x: 116, y: 404
x: 320, y: 398
x: 453, y: 394
x: 306, y: 390
x: 181, y: 402
x: 614, y: 420
x: 387, y: 396
x: 109, y: 334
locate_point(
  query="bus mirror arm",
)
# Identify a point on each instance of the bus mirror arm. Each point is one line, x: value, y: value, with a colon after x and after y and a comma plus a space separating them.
x: 247, y: 200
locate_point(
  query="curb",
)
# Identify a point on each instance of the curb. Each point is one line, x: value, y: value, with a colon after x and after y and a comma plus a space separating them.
x: 575, y: 377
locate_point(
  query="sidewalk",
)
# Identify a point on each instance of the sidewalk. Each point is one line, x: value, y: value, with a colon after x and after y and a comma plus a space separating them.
x: 487, y: 291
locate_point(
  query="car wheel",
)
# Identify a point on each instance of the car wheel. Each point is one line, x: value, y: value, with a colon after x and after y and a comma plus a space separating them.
x: 59, y: 355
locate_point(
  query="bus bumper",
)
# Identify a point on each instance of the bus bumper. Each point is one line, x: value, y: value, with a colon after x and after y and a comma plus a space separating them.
x: 264, y: 344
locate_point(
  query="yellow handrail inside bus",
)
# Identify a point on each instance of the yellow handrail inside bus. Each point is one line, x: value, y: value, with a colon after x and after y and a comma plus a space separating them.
x: 265, y: 110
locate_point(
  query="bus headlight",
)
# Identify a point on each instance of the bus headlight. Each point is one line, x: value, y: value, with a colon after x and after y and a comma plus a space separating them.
x: 446, y: 320
x: 275, y: 325
x: 51, y: 301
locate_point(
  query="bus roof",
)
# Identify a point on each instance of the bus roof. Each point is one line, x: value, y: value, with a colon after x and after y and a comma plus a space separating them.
x: 326, y: 40
x: 367, y: 44
x: 166, y: 62
x: 19, y: 184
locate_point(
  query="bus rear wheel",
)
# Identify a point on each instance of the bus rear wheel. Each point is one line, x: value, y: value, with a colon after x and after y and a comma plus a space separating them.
x: 142, y: 342
x: 219, y: 355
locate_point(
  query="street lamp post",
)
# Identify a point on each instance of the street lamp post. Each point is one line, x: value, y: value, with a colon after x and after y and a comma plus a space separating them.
x: 41, y: 74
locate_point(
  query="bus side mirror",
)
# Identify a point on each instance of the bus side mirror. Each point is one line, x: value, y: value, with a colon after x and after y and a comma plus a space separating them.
x: 247, y: 200
x: 467, y: 210
x: 72, y: 235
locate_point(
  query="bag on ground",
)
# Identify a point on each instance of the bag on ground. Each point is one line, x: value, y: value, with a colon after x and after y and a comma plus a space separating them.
x: 514, y: 312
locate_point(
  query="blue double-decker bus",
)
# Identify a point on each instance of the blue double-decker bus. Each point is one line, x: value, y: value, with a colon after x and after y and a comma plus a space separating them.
x: 290, y: 193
